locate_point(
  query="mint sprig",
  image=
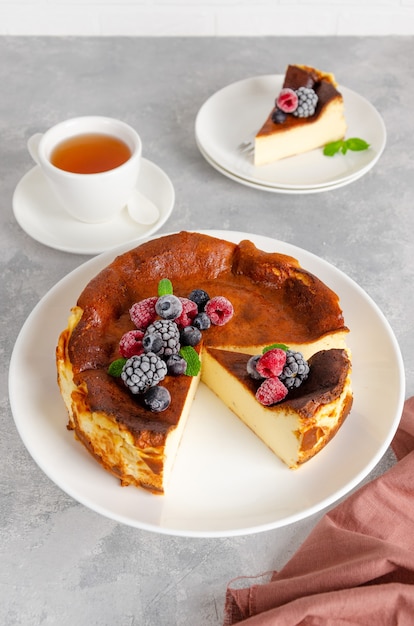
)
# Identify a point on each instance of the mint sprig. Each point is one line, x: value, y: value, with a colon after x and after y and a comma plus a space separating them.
x: 273, y: 346
x: 165, y: 287
x: 343, y: 145
x: 115, y: 367
x: 193, y: 360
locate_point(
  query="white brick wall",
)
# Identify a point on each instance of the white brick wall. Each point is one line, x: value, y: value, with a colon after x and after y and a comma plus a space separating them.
x: 206, y: 17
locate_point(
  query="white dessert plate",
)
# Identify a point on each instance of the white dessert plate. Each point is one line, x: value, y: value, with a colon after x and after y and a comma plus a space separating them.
x: 40, y: 215
x: 225, y: 481
x: 284, y: 190
x: 235, y: 113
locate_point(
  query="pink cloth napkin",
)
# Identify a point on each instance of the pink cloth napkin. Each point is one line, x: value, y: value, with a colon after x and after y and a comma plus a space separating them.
x: 355, y: 567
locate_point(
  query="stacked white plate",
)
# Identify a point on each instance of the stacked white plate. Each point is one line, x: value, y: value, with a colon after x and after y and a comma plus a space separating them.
x: 234, y: 114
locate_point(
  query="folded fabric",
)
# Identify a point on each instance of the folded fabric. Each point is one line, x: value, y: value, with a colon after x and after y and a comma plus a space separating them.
x: 355, y: 567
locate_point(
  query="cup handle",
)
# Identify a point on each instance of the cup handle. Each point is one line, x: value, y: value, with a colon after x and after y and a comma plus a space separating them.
x: 33, y: 146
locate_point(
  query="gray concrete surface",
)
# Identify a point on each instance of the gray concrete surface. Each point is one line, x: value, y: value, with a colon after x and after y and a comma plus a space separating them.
x: 60, y: 563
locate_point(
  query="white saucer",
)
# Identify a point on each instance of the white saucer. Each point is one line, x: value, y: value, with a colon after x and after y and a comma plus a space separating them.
x: 233, y: 115
x: 42, y: 218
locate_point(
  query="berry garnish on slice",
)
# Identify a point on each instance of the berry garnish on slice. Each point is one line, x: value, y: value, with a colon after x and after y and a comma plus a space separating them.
x: 271, y: 391
x: 271, y: 363
x: 287, y: 100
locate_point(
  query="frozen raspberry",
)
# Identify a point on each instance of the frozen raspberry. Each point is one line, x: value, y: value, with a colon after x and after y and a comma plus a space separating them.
x: 131, y: 343
x: 188, y: 313
x: 220, y: 310
x: 271, y: 391
x: 287, y: 101
x: 143, y: 313
x: 271, y: 363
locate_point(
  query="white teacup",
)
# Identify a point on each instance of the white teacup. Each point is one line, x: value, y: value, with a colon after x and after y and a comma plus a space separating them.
x: 89, y: 197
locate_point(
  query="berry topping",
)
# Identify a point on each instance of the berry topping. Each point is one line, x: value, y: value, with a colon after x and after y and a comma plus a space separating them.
x: 200, y: 297
x: 278, y: 116
x: 202, y: 321
x: 190, y: 336
x: 168, y: 307
x: 307, y: 101
x: 152, y: 342
x: 169, y: 333
x: 252, y: 367
x: 271, y: 391
x: 188, y: 313
x: 287, y: 101
x: 295, y: 371
x: 131, y: 343
x: 176, y: 365
x: 271, y: 363
x: 142, y: 372
x: 157, y: 399
x: 220, y: 310
x: 143, y: 313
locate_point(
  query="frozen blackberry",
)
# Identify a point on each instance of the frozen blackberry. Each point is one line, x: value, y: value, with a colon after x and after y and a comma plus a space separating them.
x: 190, y: 336
x: 157, y: 399
x: 202, y: 321
x: 295, y: 371
x: 142, y: 372
x: 200, y: 297
x: 307, y: 101
x: 169, y: 333
x: 168, y: 307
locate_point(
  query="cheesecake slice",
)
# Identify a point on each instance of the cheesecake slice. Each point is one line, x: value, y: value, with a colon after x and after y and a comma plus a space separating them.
x: 299, y: 426
x: 287, y: 134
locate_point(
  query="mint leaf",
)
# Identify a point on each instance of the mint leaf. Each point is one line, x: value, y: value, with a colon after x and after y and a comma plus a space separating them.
x: 332, y: 148
x: 353, y: 143
x: 273, y: 346
x: 356, y: 144
x: 165, y: 287
x: 193, y: 360
x: 115, y: 367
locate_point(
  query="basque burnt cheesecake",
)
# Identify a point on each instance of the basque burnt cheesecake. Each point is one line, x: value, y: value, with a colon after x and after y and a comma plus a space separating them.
x: 308, y: 113
x: 166, y: 314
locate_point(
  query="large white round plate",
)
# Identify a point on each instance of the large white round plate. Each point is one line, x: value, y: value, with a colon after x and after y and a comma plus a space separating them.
x: 40, y: 215
x: 225, y: 481
x: 235, y: 113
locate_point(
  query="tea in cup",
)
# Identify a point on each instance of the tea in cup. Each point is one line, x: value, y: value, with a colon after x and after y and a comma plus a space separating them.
x: 92, y: 164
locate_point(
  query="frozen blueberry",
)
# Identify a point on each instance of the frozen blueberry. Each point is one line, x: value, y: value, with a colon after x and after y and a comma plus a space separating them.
x: 176, y: 365
x: 168, y: 307
x: 157, y: 399
x: 200, y: 297
x: 202, y: 321
x: 190, y: 336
